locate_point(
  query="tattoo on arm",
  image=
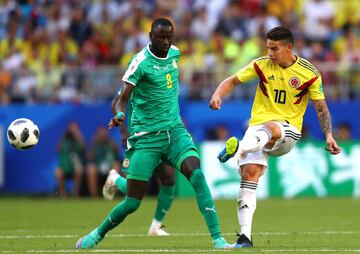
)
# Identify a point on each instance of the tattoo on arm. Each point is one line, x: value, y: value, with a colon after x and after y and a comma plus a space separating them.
x: 323, y: 116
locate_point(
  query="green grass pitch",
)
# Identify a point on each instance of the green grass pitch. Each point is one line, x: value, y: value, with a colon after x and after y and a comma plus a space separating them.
x: 34, y: 225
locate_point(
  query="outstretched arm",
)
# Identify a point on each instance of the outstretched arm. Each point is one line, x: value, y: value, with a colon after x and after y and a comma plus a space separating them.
x: 326, y: 126
x: 225, y: 88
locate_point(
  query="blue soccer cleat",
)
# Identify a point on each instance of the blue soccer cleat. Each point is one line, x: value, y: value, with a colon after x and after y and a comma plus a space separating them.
x: 231, y: 147
x: 242, y: 242
x: 89, y: 241
x: 221, y: 243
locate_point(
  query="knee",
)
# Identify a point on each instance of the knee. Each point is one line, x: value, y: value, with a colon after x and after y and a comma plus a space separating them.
x: 168, y: 181
x: 189, y: 166
x: 274, y: 129
x: 251, y: 172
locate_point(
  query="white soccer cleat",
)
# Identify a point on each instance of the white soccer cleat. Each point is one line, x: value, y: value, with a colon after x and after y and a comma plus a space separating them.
x: 157, y: 231
x: 109, y: 188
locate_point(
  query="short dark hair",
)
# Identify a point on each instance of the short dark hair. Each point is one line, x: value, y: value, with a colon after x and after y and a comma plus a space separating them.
x: 280, y: 34
x: 161, y: 21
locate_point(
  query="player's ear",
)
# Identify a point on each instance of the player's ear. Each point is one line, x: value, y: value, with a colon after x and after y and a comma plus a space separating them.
x: 289, y: 46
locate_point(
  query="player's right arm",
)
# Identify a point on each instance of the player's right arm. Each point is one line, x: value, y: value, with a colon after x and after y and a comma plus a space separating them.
x: 225, y: 88
x: 119, y: 106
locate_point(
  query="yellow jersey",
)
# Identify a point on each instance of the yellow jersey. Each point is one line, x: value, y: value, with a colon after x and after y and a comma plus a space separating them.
x: 282, y: 93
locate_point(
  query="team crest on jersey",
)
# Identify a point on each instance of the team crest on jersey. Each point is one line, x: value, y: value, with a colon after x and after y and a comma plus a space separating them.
x: 174, y: 64
x: 126, y: 163
x: 294, y: 82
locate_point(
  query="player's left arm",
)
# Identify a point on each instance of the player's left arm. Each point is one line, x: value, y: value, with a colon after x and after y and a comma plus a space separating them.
x: 324, y: 117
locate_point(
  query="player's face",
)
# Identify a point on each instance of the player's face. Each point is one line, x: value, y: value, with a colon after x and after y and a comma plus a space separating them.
x: 161, y: 39
x: 278, y: 51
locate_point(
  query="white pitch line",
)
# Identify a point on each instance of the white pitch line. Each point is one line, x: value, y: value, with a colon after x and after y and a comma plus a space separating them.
x: 308, y: 250
x: 181, y: 234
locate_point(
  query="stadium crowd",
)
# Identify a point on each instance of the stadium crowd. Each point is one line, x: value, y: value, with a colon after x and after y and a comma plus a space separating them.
x: 76, y: 51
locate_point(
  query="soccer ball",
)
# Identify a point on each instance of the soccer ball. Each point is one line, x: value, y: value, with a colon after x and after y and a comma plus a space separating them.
x: 23, y: 134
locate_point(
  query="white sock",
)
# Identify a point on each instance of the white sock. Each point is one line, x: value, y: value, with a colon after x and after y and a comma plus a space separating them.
x: 253, y: 143
x: 155, y: 223
x: 263, y: 136
x: 246, y: 206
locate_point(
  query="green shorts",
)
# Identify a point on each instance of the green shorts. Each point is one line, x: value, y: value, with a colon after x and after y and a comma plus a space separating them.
x: 146, y: 151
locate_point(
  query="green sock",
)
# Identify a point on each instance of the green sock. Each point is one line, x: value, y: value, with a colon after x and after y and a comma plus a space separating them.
x: 164, y: 200
x: 118, y: 214
x: 205, y: 202
x: 121, y: 184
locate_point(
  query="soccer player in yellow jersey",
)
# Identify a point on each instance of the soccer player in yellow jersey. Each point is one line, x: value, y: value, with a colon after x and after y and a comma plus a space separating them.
x: 286, y: 83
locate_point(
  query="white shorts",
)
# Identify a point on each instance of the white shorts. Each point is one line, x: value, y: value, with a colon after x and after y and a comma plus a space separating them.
x: 289, y: 136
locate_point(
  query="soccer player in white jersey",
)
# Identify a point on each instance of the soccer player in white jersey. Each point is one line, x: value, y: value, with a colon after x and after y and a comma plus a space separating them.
x: 286, y: 83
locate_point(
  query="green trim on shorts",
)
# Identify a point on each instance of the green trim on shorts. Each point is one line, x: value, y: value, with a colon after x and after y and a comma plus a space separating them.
x: 139, y: 178
x: 188, y: 153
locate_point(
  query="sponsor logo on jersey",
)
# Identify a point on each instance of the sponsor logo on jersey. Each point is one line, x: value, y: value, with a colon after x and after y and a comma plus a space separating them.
x: 294, y: 82
x: 271, y: 77
x: 174, y: 64
x: 126, y: 163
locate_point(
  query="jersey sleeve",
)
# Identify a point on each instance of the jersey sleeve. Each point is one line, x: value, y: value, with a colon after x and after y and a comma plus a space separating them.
x: 247, y: 73
x: 134, y: 72
x: 316, y: 90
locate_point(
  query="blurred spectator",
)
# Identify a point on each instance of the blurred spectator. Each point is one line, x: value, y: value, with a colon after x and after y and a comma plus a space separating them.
x: 13, y: 60
x: 72, y: 85
x: 63, y: 48
x: 11, y: 41
x: 302, y: 49
x: 80, y: 28
x: 263, y: 22
x: 347, y: 47
x: 318, y: 19
x: 24, y: 86
x: 279, y: 8
x: 58, y: 19
x: 5, y: 80
x: 103, y: 156
x: 214, y: 8
x: 343, y: 132
x: 109, y: 8
x: 71, y: 160
x: 4, y: 96
x: 233, y: 22
x: 219, y: 132
x: 203, y: 25
x: 215, y: 38
x: 6, y: 8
